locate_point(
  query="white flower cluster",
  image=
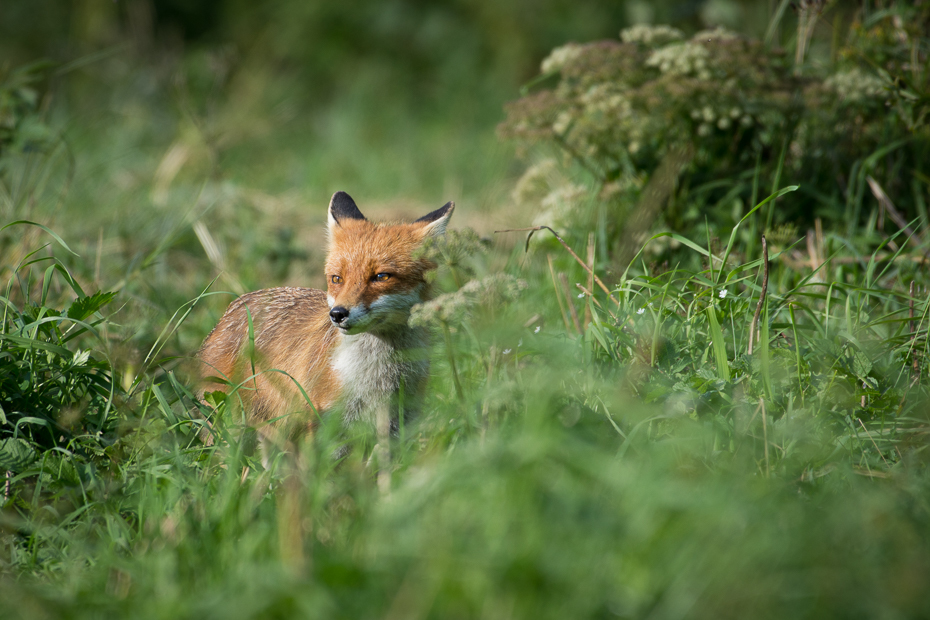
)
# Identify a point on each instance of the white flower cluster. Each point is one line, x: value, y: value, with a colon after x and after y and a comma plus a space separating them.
x: 562, y: 122
x: 535, y: 182
x: 723, y: 119
x: 560, y: 201
x: 681, y: 59
x: 559, y: 57
x: 855, y: 85
x: 651, y: 35
x: 452, y: 307
x: 606, y: 99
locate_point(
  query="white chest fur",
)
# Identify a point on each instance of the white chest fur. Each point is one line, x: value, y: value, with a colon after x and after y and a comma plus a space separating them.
x: 371, y: 369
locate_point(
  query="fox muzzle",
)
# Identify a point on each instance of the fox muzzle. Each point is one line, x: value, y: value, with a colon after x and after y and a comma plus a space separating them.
x: 338, y: 315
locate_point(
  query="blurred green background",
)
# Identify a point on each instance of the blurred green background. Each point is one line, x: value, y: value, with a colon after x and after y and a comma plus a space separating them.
x: 187, y: 139
x: 389, y: 100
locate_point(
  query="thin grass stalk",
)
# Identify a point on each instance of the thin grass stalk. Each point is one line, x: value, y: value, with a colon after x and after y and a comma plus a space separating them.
x: 570, y: 251
x: 886, y: 205
x: 765, y: 438
x: 777, y: 181
x: 797, y: 350
x: 658, y: 320
x: 869, y: 435
x: 710, y: 256
x: 765, y: 286
x: 808, y: 12
x: 591, y: 296
x: 910, y: 314
x: 455, y: 373
x: 558, y: 294
x: 571, y: 306
x: 587, y: 308
x: 773, y: 31
x: 753, y: 197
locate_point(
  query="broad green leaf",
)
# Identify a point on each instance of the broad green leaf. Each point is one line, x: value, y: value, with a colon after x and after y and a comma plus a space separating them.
x: 719, y: 345
x: 16, y: 454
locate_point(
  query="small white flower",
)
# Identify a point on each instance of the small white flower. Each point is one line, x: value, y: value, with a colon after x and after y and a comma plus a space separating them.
x: 723, y: 294
x: 520, y: 342
x: 507, y: 351
x: 580, y: 295
x: 536, y: 331
x: 650, y: 304
x: 640, y: 311
x: 560, y: 57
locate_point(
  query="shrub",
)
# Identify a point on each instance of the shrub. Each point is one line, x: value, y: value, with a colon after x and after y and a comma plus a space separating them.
x: 704, y: 120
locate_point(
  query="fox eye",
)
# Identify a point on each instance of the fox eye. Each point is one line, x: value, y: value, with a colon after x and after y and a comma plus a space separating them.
x: 336, y: 279
x: 381, y: 277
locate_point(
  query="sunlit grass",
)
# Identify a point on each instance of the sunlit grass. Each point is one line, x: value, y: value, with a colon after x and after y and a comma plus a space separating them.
x: 725, y: 431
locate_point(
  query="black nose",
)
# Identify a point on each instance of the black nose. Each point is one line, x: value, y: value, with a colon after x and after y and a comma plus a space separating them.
x: 338, y: 314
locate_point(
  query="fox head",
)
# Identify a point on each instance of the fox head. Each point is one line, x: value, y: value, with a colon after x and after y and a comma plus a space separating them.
x: 372, y: 277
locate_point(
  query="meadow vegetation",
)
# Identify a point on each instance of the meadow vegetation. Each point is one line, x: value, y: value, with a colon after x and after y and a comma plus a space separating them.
x: 701, y: 393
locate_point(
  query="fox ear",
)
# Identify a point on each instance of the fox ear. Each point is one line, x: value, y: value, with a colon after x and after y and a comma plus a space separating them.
x: 435, y: 223
x: 342, y: 207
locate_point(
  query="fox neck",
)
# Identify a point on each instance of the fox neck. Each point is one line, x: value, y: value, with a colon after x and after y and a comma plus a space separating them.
x: 371, y: 367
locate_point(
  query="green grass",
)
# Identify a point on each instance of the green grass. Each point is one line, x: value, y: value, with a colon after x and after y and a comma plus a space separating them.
x: 649, y: 467
x: 644, y: 464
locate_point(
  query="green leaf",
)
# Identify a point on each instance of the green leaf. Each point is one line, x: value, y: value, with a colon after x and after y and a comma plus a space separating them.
x: 719, y: 345
x: 215, y: 398
x: 46, y: 229
x: 83, y: 307
x: 732, y: 240
x: 16, y: 454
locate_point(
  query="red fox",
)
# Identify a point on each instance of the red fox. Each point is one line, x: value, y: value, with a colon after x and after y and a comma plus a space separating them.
x: 348, y: 347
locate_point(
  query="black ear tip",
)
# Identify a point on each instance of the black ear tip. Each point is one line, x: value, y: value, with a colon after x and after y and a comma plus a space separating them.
x: 341, y: 206
x: 340, y: 199
x: 442, y: 211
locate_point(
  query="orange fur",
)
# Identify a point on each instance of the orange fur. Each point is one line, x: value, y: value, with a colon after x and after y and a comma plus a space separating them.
x: 348, y: 347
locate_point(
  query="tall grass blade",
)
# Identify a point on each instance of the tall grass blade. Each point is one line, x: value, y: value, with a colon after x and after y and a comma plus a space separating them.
x: 719, y: 344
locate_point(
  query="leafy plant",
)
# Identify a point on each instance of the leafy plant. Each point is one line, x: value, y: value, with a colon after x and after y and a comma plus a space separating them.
x: 663, y: 130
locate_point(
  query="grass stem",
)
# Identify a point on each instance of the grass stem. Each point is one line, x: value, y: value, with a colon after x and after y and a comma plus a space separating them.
x: 558, y: 294
x: 587, y: 307
x: 571, y: 306
x: 765, y: 286
x: 455, y: 373
x: 765, y: 438
x: 533, y: 229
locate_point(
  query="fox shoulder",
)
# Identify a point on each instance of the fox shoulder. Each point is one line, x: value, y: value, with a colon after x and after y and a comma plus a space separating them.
x: 281, y: 322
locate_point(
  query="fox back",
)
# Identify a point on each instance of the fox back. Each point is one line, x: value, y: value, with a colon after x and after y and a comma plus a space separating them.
x: 349, y: 347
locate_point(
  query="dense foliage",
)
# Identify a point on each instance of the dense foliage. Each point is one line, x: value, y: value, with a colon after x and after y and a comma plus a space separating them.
x: 724, y: 112
x: 679, y: 405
